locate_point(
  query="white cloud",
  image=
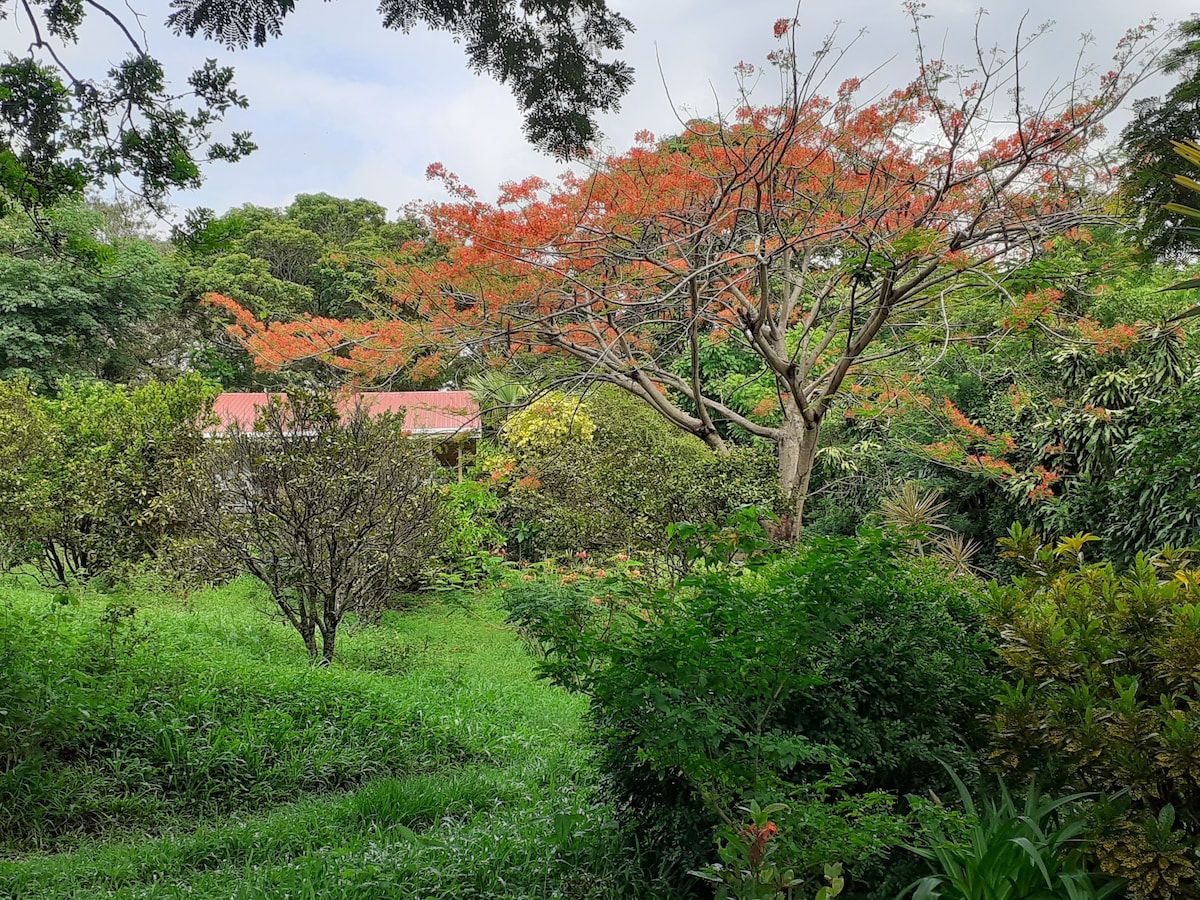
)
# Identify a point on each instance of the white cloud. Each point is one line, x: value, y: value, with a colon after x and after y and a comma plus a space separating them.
x: 338, y: 104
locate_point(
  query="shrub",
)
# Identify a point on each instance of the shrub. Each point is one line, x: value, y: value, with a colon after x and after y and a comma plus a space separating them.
x: 468, y: 553
x: 619, y: 491
x: 29, y: 460
x: 330, y: 508
x: 90, y: 469
x: 1102, y: 697
x: 548, y: 423
x: 832, y: 679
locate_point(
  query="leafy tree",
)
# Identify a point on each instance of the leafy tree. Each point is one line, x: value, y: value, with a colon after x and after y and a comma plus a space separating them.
x: 548, y: 51
x: 316, y: 257
x: 249, y: 279
x: 331, y: 507
x: 62, y: 131
x: 1149, y: 185
x: 73, y: 305
x: 616, y: 484
x: 801, y: 233
x: 335, y: 220
x: 90, y: 471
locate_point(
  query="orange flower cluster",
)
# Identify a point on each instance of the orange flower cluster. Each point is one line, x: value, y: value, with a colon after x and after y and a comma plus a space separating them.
x: 1119, y: 338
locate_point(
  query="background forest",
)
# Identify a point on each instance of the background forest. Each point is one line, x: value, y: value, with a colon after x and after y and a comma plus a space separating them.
x: 833, y: 527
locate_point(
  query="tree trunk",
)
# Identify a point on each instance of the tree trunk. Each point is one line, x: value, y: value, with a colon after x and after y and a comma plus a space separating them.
x: 328, y: 642
x: 308, y: 632
x: 797, y: 453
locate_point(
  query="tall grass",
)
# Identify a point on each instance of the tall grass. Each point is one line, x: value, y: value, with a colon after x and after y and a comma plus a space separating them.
x: 167, y: 748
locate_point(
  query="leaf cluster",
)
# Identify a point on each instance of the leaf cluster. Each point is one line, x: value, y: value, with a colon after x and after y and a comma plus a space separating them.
x: 819, y: 679
x: 61, y: 131
x: 548, y: 51
x: 1006, y: 851
x: 1101, y: 697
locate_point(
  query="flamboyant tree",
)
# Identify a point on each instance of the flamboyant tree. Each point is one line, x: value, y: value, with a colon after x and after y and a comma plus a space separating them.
x: 801, y: 232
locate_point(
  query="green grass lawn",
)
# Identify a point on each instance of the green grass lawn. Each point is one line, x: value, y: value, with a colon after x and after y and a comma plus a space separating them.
x: 156, y: 747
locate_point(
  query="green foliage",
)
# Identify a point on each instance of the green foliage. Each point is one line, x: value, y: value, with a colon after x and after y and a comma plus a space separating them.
x: 29, y: 468
x: 330, y: 505
x: 1101, y: 697
x: 746, y: 870
x: 1154, y: 496
x: 469, y: 551
x: 90, y: 471
x: 250, y: 282
x: 73, y: 305
x: 60, y: 133
x: 565, y: 619
x: 1148, y: 186
x: 818, y: 680
x: 1006, y: 851
x: 619, y: 492
x: 548, y: 423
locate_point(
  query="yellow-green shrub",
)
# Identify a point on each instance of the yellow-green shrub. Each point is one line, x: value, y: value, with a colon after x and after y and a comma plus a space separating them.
x: 549, y: 422
x: 1104, y: 666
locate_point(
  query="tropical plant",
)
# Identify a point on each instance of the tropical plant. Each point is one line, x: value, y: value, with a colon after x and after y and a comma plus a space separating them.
x: 1006, y: 851
x: 1101, y: 697
x: 1153, y: 498
x: 914, y: 513
x: 1148, y: 188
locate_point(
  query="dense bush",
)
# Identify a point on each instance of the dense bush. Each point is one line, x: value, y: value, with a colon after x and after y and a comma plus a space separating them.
x: 833, y: 679
x: 89, y: 469
x: 1102, y: 697
x: 618, y: 491
x: 1154, y: 498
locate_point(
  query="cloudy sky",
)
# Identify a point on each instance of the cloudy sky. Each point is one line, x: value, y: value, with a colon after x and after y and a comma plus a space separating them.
x: 340, y: 105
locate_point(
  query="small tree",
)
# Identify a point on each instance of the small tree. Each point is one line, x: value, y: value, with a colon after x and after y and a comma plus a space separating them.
x: 328, y: 505
x: 86, y: 474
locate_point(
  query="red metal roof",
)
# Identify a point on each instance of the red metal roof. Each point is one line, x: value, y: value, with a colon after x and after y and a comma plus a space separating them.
x: 425, y: 412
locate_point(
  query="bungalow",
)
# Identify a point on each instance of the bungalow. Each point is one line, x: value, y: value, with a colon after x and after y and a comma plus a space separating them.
x: 450, y: 419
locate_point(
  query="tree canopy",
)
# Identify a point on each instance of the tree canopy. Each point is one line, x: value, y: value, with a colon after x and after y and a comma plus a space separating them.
x: 62, y: 130
x: 1149, y: 185
x: 800, y: 233
x: 547, y: 51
